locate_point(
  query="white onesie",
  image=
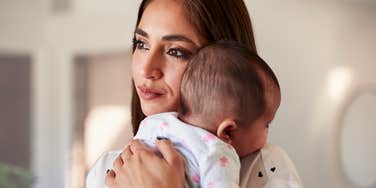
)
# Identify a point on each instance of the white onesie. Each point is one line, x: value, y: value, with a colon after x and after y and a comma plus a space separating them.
x: 210, y: 162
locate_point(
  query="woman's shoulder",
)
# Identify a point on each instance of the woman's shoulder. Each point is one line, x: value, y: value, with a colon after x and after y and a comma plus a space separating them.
x: 96, y: 175
x: 269, y: 167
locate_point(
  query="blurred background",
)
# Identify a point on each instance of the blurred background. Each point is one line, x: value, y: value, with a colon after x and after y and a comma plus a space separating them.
x: 65, y: 87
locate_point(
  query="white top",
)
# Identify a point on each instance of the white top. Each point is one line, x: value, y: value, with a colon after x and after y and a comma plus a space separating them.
x: 269, y: 167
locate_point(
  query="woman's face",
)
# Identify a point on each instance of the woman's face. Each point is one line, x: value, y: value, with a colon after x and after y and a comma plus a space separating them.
x: 165, y: 41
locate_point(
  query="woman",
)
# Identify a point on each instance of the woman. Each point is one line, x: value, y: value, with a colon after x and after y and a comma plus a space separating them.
x: 167, y: 33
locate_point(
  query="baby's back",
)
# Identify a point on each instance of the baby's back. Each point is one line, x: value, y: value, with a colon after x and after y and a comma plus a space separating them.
x: 210, y: 162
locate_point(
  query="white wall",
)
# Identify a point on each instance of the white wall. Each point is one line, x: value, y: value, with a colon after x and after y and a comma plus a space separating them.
x: 304, y: 41
x: 21, y: 24
x: 53, y: 39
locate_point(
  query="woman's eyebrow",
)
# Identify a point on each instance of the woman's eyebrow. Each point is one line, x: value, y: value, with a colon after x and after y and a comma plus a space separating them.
x: 177, y: 38
x: 172, y: 37
x: 141, y: 32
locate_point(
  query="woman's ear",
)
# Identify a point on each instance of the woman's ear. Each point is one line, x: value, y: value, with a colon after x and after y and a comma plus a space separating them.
x: 225, y: 130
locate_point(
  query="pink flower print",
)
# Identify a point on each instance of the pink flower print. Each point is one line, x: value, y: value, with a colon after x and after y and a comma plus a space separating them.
x: 163, y: 125
x: 208, y: 137
x: 224, y: 161
x: 229, y: 146
x: 196, y: 178
x: 209, y: 185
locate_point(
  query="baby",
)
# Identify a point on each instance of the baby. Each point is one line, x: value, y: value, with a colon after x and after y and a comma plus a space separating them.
x: 228, y: 97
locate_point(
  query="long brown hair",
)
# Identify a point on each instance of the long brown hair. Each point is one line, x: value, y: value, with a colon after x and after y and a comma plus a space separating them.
x: 214, y: 20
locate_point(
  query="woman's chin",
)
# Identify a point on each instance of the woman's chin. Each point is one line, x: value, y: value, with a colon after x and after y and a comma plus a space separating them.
x: 151, y: 110
x: 151, y: 107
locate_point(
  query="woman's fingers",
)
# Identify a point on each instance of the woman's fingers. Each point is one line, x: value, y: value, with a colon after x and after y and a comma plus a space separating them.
x: 169, y: 153
x: 118, y: 163
x: 137, y: 147
x: 126, y: 154
x: 137, y: 161
x: 110, y: 178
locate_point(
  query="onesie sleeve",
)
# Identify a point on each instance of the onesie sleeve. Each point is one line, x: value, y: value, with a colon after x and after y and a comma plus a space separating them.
x: 220, y: 168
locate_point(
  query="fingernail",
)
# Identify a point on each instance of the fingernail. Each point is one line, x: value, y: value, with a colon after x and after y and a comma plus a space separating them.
x: 107, y: 171
x: 162, y: 138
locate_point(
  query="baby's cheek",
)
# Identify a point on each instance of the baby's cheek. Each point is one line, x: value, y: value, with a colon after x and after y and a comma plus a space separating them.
x: 262, y: 139
x: 259, y: 140
x: 244, y: 146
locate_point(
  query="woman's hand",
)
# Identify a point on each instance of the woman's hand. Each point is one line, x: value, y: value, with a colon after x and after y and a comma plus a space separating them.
x: 138, y: 166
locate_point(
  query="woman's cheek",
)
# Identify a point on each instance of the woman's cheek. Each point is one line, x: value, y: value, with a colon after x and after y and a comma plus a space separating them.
x: 135, y: 69
x: 176, y: 78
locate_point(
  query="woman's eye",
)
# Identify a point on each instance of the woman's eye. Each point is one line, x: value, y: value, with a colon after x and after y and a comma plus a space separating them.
x: 179, y: 53
x: 139, y: 44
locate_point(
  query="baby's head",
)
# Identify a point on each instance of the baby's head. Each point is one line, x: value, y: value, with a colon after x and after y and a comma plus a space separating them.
x: 231, y: 92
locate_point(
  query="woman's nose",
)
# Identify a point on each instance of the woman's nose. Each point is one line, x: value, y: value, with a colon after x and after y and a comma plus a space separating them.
x: 151, y: 68
x: 153, y: 74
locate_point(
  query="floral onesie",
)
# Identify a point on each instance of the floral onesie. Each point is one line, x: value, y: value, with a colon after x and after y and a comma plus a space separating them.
x: 210, y: 162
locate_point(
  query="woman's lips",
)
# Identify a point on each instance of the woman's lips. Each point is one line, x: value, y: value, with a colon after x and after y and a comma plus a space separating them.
x: 148, y: 93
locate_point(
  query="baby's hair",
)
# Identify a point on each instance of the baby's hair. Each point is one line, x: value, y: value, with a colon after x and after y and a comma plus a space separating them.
x: 223, y: 79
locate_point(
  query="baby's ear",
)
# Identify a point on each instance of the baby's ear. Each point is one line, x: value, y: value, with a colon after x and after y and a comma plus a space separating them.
x: 225, y: 129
